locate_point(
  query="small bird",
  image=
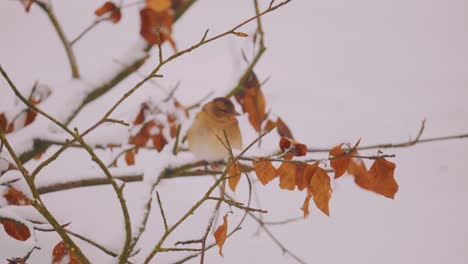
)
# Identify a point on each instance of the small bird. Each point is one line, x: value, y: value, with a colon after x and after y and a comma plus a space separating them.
x: 215, y: 117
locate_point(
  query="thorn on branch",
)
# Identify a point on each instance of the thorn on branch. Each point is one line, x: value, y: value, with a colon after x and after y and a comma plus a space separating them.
x: 205, y: 35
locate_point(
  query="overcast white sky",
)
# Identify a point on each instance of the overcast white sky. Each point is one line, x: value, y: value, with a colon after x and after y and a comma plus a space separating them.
x: 340, y: 70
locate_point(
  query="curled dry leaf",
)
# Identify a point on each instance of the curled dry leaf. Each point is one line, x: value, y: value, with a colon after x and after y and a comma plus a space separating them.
x: 159, y: 5
x: 16, y: 197
x: 340, y: 161
x: 109, y: 8
x: 234, y: 173
x: 142, y: 137
x: 16, y: 230
x: 141, y: 116
x: 221, y: 233
x: 159, y: 141
x: 294, y: 147
x: 30, y: 117
x: 251, y: 98
x: 285, y: 144
x: 283, y: 129
x: 130, y: 157
x: 62, y: 252
x: 379, y: 178
x: 264, y: 170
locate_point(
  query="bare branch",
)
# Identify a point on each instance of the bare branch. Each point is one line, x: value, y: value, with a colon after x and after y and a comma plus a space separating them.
x: 66, y: 44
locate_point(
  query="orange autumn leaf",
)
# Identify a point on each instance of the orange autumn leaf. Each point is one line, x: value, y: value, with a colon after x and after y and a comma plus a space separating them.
x: 339, y: 164
x: 303, y: 180
x: 159, y: 141
x: 130, y: 157
x: 16, y: 230
x: 31, y: 114
x: 305, y: 206
x: 234, y: 173
x: 109, y: 8
x: 321, y: 190
x: 61, y: 252
x: 299, y: 149
x: 159, y: 5
x: 15, y: 197
x: 300, y: 176
x: 379, y: 178
x: 287, y: 174
x: 142, y: 137
x: 251, y: 98
x: 140, y: 118
x: 382, y: 179
x: 151, y: 21
x: 264, y: 170
x: 221, y: 233
x: 3, y: 122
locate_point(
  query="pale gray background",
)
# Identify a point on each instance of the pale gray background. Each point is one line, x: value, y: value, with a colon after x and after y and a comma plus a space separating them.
x: 339, y: 70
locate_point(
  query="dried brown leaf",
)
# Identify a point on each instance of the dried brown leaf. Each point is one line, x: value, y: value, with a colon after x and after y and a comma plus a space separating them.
x: 16, y: 230
x: 61, y: 251
x: 234, y: 173
x: 341, y: 162
x: 264, y: 170
x: 283, y: 129
x: 130, y: 157
x: 321, y: 190
x: 221, y: 233
x: 251, y: 98
x: 16, y: 197
x: 109, y: 8
x: 287, y: 174
x: 159, y: 141
x: 382, y: 179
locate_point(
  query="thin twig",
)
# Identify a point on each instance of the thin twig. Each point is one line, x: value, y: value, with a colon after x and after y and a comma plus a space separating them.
x: 162, y: 212
x: 87, y: 29
x: 66, y: 44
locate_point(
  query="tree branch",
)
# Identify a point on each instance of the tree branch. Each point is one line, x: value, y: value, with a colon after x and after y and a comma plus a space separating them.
x: 66, y: 44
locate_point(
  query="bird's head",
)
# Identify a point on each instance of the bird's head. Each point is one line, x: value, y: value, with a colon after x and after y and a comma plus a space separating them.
x: 221, y: 109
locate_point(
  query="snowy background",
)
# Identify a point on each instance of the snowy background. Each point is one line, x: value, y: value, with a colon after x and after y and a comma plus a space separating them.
x: 340, y: 70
